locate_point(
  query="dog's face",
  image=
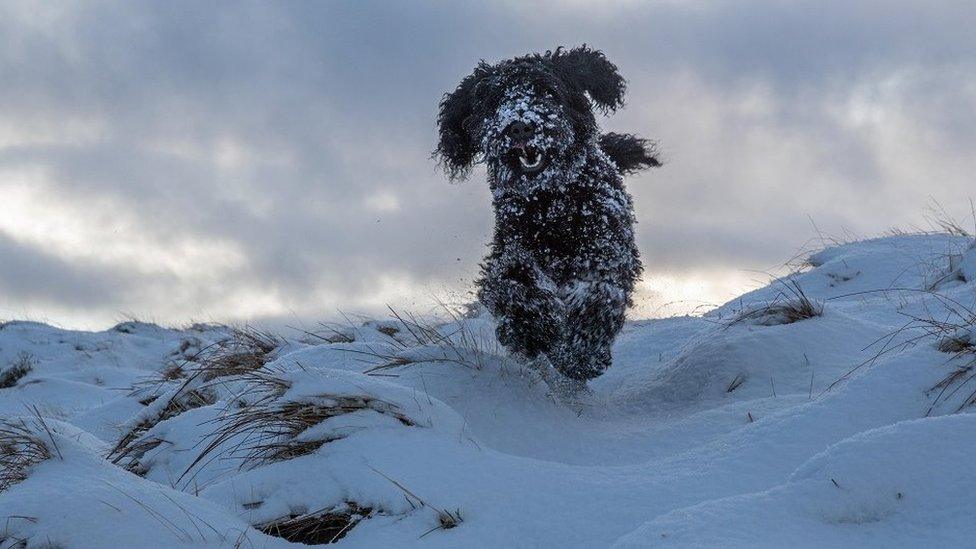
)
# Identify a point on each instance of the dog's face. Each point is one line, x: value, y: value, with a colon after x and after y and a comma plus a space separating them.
x: 526, y: 116
x: 528, y: 132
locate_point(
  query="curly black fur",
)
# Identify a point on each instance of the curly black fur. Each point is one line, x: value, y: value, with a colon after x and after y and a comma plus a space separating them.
x: 563, y: 262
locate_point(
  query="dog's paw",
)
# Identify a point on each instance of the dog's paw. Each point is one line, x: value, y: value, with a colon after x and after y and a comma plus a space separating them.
x: 572, y: 393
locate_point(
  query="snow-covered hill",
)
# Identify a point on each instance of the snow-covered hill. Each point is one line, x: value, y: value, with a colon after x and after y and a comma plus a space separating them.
x: 828, y: 409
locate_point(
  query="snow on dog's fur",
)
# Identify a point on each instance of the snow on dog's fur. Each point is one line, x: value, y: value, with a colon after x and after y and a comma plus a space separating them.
x: 563, y: 262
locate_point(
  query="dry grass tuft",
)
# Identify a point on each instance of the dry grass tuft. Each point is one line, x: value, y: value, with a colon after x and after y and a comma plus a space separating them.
x: 240, y: 356
x: 388, y: 331
x: 953, y: 273
x: 957, y: 345
x: 445, y: 519
x: 955, y: 336
x: 413, y: 340
x: 330, y: 332
x: 449, y: 340
x: 963, y: 351
x: 938, y: 221
x: 271, y: 433
x: 258, y: 387
x: 790, y: 305
x: 246, y: 350
x: 736, y: 382
x: 132, y: 446
x: 128, y: 457
x: 21, y: 447
x: 16, y: 371
x: 942, y: 222
x: 173, y: 372
x: 943, y: 331
x: 319, y: 527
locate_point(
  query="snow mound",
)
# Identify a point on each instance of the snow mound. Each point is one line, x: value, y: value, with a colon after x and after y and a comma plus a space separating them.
x: 830, y: 408
x: 75, y: 498
x: 740, y: 361
x: 875, y: 489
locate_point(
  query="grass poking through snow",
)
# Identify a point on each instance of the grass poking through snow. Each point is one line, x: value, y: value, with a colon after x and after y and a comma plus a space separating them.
x: 413, y: 339
x: 246, y: 350
x: 188, y: 385
x: 133, y: 445
x: 243, y: 351
x: 961, y: 344
x: 954, y: 335
x: 317, y: 528
x: 446, y: 519
x: 790, y: 305
x: 270, y: 433
x: 21, y: 447
x: 10, y: 375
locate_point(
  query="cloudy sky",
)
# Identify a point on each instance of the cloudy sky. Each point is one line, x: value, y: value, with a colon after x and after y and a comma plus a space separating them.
x: 230, y: 161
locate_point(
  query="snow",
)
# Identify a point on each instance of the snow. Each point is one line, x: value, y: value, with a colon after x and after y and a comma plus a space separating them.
x: 967, y: 265
x: 879, y: 488
x: 740, y: 428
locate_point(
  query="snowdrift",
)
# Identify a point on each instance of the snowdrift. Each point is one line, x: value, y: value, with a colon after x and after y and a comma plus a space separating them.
x: 831, y: 408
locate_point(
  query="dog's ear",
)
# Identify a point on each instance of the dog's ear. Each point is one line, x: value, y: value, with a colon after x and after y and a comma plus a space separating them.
x: 590, y: 71
x: 630, y: 153
x: 456, y: 150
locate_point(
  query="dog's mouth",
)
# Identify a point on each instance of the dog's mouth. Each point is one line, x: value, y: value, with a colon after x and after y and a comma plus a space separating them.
x: 530, y: 159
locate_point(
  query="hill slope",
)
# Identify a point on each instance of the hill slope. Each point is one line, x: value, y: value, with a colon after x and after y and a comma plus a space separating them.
x: 831, y: 408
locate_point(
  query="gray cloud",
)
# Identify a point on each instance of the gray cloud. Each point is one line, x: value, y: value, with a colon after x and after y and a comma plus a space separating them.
x: 28, y: 274
x: 289, y: 142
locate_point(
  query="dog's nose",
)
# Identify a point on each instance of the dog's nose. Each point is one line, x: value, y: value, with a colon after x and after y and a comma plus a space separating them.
x: 520, y: 131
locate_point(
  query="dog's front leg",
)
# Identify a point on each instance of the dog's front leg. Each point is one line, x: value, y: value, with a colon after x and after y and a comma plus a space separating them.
x: 594, y: 315
x: 524, y: 302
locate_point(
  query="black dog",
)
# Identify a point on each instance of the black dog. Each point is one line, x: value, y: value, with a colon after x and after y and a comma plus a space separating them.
x: 563, y: 262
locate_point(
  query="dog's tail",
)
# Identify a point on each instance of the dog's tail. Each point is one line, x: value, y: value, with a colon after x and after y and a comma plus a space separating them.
x: 630, y: 153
